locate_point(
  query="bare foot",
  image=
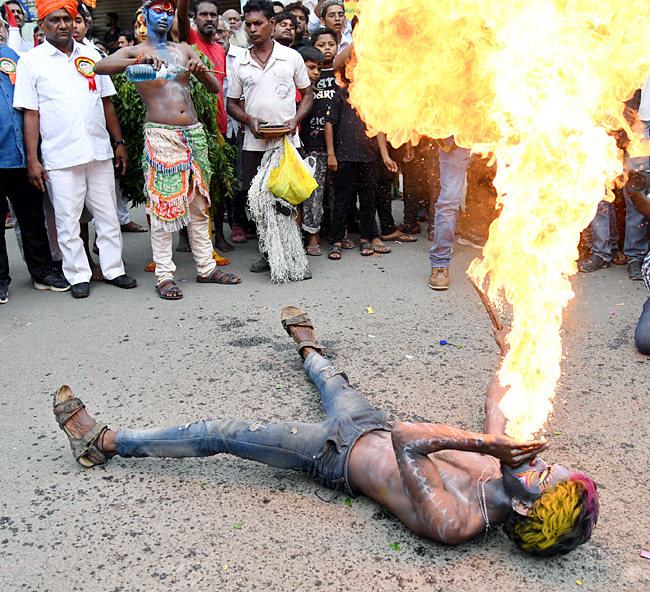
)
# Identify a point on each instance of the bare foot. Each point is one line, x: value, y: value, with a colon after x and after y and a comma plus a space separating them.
x: 223, y: 245
x: 95, y: 272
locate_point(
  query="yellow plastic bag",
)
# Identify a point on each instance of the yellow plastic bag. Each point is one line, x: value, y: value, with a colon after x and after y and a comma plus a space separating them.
x: 291, y: 180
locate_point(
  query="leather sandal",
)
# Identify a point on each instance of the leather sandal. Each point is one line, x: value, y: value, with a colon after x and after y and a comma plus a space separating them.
x: 84, y: 449
x: 292, y: 316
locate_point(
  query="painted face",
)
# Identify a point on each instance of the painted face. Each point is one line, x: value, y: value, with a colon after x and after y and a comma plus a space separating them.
x: 159, y: 17
x: 538, y: 477
x: 160, y: 7
x: 140, y: 27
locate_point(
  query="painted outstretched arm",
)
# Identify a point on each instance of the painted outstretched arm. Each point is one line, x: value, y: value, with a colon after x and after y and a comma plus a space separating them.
x: 495, y: 421
x: 438, y: 512
x: 127, y: 56
x: 200, y: 70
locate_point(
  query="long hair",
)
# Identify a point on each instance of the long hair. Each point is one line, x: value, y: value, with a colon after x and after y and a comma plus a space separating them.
x: 561, y: 518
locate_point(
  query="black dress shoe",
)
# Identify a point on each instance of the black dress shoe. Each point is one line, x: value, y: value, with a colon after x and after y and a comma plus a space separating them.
x: 80, y: 290
x: 261, y: 265
x: 123, y: 281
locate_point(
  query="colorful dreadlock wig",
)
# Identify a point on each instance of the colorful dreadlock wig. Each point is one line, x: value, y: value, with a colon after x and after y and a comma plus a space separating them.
x: 561, y: 518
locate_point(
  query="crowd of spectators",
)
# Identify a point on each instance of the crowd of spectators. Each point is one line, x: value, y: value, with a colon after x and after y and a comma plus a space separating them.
x: 277, y: 64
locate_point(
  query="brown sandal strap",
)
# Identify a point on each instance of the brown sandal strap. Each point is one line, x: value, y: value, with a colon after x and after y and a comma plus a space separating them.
x: 302, y: 320
x: 66, y: 410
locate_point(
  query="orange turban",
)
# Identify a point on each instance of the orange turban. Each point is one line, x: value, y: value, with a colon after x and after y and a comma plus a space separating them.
x: 44, y: 7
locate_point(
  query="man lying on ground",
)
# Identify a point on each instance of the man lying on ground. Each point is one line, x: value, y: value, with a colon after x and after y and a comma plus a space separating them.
x: 442, y: 482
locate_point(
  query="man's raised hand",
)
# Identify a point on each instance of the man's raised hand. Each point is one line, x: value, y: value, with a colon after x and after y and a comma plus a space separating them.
x: 515, y: 453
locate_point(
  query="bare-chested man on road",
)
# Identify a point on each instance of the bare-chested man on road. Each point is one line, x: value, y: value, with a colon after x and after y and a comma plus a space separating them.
x: 443, y: 483
x: 177, y: 170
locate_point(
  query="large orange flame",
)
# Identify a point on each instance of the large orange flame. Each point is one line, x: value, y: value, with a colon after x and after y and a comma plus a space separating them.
x: 538, y: 83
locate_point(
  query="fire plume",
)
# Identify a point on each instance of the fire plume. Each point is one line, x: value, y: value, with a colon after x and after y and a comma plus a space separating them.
x: 538, y: 83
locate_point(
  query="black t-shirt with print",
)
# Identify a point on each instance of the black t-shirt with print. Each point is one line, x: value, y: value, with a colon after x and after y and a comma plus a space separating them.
x: 351, y: 144
x: 312, y: 127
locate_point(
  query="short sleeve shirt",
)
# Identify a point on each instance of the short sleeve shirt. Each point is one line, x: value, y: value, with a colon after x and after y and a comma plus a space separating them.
x: 270, y: 92
x: 312, y: 129
x: 351, y: 143
x: 72, y: 120
x: 217, y: 56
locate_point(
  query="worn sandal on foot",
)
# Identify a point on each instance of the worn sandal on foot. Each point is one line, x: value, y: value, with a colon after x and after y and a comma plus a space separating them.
x: 168, y: 290
x: 84, y: 449
x: 367, y: 249
x: 218, y: 277
x: 334, y: 253
x: 294, y: 317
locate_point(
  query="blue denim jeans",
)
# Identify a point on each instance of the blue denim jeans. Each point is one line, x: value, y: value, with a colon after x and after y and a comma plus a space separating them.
x: 321, y: 449
x: 453, y: 167
x: 604, y: 232
x: 637, y: 226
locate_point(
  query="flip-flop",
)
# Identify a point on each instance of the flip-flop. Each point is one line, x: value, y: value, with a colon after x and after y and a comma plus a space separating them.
x: 314, y: 251
x: 398, y: 235
x: 84, y: 449
x: 347, y: 243
x: 292, y: 316
x: 168, y: 290
x: 382, y: 249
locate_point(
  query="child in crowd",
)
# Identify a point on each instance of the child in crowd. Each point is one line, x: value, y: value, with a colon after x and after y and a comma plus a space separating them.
x: 313, y: 139
x: 355, y: 158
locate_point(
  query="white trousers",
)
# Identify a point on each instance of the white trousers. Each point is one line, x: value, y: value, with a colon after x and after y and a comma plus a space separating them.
x: 198, y: 231
x: 92, y: 184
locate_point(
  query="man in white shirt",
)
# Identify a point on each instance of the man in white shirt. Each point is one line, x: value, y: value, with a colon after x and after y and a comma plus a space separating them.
x: 12, y: 12
x: 268, y: 74
x: 70, y: 108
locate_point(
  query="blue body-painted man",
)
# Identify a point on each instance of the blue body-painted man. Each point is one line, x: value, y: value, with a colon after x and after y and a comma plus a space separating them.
x: 177, y: 173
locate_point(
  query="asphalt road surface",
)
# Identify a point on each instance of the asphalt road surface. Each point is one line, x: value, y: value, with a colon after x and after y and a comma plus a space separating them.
x: 226, y: 524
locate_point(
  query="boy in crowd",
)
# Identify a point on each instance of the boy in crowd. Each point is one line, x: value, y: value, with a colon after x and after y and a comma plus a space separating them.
x: 354, y: 157
x: 313, y: 139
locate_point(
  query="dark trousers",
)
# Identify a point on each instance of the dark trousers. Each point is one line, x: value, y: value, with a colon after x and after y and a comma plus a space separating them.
x: 250, y: 163
x: 383, y: 200
x: 421, y: 178
x: 27, y: 202
x: 353, y: 177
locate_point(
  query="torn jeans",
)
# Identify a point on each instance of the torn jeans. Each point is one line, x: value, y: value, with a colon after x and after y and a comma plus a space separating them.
x: 321, y: 449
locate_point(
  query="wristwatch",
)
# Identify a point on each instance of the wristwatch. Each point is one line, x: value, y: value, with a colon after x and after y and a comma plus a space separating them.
x: 119, y: 142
